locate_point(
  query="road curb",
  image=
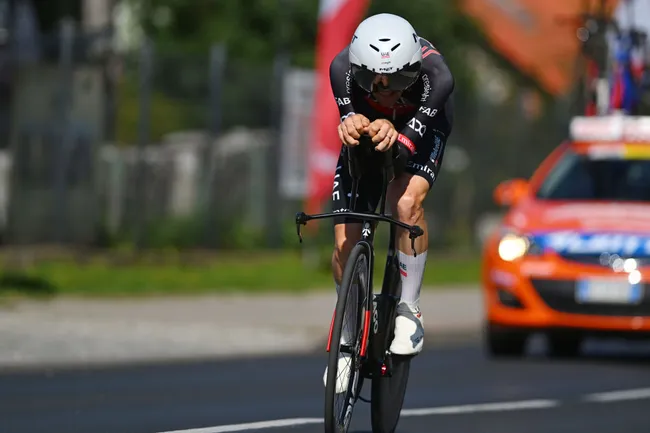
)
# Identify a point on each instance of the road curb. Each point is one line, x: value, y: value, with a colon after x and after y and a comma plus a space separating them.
x: 77, y: 332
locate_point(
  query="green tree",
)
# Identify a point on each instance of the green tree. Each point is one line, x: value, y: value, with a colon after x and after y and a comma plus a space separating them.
x: 252, y: 29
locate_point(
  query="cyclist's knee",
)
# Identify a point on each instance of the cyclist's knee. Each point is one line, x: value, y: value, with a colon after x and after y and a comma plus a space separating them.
x: 407, y: 203
x: 409, y: 209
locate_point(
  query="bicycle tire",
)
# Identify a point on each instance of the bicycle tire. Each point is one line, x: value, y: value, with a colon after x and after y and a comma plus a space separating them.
x: 388, y: 392
x: 387, y: 396
x: 333, y: 420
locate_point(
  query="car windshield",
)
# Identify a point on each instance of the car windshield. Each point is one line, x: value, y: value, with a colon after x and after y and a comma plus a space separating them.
x: 581, y: 177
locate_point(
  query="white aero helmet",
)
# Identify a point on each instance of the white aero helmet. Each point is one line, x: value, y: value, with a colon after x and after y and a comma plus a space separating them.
x: 385, y: 44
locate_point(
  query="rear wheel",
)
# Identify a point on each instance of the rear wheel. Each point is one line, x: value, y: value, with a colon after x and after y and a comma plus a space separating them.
x: 349, y: 315
x: 388, y: 391
x: 505, y: 342
x: 387, y: 395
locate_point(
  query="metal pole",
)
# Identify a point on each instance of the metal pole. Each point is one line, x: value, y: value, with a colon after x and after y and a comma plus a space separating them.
x: 281, y: 64
x: 273, y: 205
x: 211, y: 194
x: 64, y: 128
x: 144, y: 121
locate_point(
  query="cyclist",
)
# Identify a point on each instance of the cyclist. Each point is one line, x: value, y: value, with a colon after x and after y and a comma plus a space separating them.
x: 395, y: 87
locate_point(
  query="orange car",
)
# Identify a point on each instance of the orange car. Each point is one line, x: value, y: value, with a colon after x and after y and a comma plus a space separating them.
x: 572, y: 255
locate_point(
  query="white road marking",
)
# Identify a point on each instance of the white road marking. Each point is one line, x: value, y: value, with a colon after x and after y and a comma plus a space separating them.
x: 484, y: 407
x: 443, y: 410
x: 628, y: 394
x: 290, y: 422
x: 602, y: 397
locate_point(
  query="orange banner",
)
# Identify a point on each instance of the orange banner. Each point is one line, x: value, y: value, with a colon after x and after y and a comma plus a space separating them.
x: 337, y: 21
x: 539, y: 37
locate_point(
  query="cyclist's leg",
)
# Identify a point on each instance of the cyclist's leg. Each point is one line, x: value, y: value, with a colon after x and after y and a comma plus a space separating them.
x: 407, y: 194
x: 347, y: 233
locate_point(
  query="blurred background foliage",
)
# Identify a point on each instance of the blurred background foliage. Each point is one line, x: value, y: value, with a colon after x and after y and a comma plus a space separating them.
x: 244, y: 26
x: 184, y: 33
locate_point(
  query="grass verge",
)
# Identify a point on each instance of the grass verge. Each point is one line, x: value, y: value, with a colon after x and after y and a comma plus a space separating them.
x: 286, y: 271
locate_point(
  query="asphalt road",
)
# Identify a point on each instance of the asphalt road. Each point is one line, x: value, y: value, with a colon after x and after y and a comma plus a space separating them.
x: 452, y: 389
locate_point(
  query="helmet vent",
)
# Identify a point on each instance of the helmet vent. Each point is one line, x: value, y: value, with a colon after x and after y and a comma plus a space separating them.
x: 395, y: 47
x: 415, y: 37
x: 384, y: 39
x: 374, y: 48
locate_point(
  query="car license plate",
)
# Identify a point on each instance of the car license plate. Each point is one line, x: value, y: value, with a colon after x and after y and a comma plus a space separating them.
x: 608, y: 291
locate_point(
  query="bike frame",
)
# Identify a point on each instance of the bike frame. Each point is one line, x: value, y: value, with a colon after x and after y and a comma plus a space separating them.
x: 380, y: 309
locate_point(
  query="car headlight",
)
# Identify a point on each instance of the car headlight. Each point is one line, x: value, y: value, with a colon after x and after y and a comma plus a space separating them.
x: 512, y: 247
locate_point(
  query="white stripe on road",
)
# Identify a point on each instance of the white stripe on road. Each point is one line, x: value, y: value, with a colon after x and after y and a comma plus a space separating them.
x: 628, y: 394
x: 292, y: 422
x: 485, y: 407
x: 602, y: 397
x: 443, y: 410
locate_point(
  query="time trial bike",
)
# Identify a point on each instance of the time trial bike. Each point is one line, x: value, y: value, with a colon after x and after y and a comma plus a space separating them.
x: 372, y: 315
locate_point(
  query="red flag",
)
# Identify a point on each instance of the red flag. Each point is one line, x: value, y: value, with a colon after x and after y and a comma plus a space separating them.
x: 337, y: 20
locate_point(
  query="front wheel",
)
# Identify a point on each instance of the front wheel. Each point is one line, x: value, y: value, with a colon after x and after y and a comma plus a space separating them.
x: 350, y: 316
x: 387, y: 395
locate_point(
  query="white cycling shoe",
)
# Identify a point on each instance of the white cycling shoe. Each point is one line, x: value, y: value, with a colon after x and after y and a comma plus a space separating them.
x: 409, y: 340
x: 409, y: 330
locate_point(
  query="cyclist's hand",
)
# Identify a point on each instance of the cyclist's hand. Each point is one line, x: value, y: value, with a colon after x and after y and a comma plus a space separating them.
x: 382, y: 132
x: 352, y: 127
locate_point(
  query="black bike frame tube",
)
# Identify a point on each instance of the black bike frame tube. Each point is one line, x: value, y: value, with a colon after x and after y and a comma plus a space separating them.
x: 391, y: 259
x: 388, y: 174
x: 354, y: 169
x: 355, y: 191
x: 382, y: 206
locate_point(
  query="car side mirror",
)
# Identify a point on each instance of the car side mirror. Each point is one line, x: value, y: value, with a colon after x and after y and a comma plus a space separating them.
x: 510, y: 192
